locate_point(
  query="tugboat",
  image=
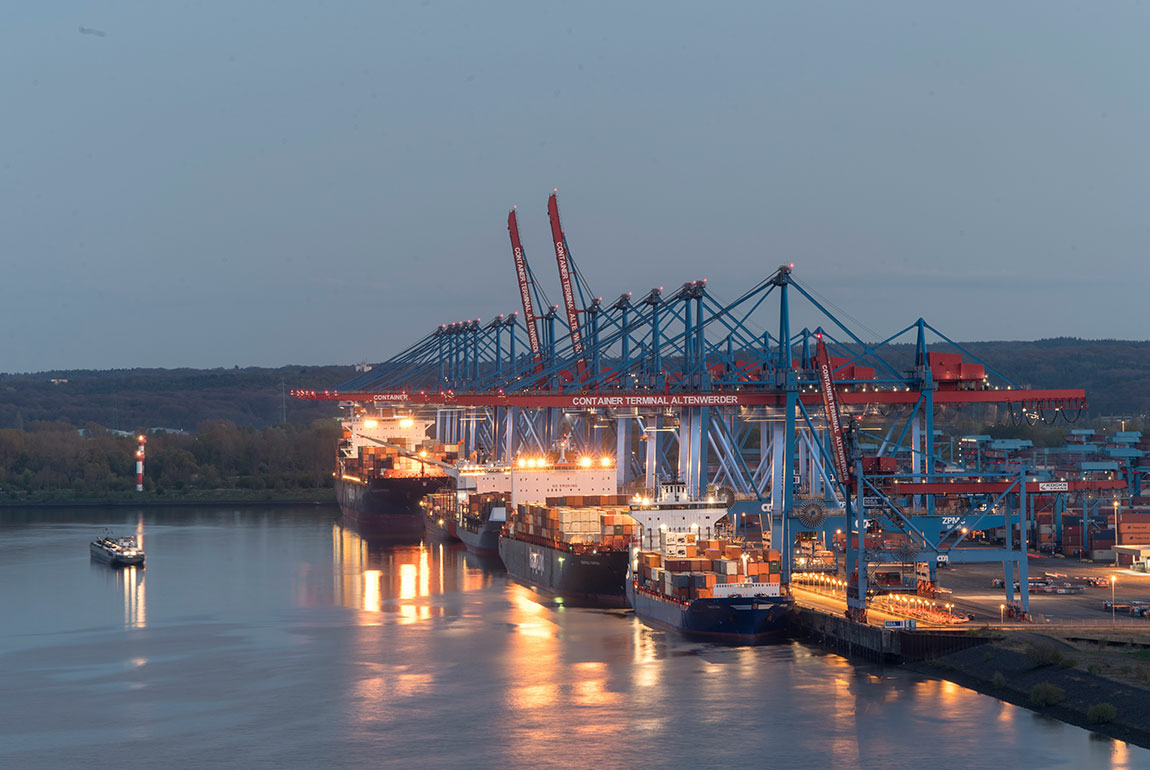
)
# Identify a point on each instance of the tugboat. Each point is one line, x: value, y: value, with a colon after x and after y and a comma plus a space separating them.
x: 117, y: 551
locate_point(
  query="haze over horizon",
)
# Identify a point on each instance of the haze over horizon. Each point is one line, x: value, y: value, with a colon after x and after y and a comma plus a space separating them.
x: 272, y: 184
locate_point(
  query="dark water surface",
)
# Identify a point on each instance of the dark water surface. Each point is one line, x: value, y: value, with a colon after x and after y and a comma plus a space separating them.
x: 274, y: 638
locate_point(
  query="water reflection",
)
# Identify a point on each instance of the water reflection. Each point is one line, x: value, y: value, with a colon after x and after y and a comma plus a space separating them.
x: 401, y: 579
x: 131, y: 582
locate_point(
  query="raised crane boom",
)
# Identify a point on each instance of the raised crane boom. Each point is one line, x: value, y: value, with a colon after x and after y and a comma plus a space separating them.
x: 831, y: 404
x: 561, y: 257
x: 524, y: 289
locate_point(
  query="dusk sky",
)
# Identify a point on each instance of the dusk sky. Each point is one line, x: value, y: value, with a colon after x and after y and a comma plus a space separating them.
x: 268, y: 183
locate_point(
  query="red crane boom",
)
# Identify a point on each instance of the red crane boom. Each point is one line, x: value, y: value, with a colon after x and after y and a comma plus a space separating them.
x: 560, y: 242
x: 831, y: 404
x: 524, y: 289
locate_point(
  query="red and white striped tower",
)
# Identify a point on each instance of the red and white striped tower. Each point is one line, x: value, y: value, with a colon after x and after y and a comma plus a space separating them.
x: 140, y: 463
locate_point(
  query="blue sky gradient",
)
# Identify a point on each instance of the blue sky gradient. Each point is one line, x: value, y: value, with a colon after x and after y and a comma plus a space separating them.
x: 264, y: 183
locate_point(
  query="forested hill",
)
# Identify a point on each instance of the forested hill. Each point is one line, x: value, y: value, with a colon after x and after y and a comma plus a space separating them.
x: 1115, y: 374
x: 130, y: 399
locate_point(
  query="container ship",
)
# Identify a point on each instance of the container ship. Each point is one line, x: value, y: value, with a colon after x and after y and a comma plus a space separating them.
x: 441, y: 514
x: 386, y: 465
x: 568, y: 534
x: 704, y: 586
x: 481, y: 522
x: 471, y: 494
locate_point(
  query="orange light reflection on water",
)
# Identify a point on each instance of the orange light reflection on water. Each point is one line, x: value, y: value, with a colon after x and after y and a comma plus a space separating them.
x: 131, y: 580
x: 398, y: 580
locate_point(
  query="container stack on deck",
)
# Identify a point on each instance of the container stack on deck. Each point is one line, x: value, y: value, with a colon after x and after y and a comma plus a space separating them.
x: 596, y: 521
x: 686, y: 567
x: 381, y: 461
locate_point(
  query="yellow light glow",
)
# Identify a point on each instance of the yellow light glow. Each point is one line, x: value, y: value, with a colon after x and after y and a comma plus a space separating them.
x: 371, y: 423
x: 530, y: 462
x: 584, y: 462
x: 605, y: 462
x: 522, y: 463
x: 406, y: 422
x: 423, y: 453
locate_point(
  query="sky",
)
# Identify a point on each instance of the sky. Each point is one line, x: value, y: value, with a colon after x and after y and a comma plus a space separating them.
x: 265, y: 183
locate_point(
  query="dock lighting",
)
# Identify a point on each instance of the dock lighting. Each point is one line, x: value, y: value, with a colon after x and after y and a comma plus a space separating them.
x: 1002, y: 612
x: 1113, y: 580
x: 530, y: 462
x: 605, y: 462
x: 521, y: 463
x: 584, y: 462
x: 964, y: 530
x: 423, y: 453
x: 406, y: 422
x: 371, y: 423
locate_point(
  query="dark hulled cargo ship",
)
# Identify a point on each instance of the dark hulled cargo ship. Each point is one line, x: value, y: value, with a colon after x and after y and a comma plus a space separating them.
x: 441, y: 514
x: 386, y: 465
x: 738, y: 619
x: 585, y: 577
x: 701, y: 585
x: 386, y: 506
x: 568, y: 535
x: 481, y: 523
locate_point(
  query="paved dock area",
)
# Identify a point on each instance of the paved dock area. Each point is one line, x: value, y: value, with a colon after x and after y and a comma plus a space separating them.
x: 970, y: 588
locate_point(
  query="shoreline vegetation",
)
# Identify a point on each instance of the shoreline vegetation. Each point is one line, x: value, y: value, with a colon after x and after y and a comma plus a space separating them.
x: 55, y: 463
x: 1097, y: 679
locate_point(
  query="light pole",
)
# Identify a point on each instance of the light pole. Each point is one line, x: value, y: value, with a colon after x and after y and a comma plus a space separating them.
x: 1002, y: 613
x: 1113, y: 580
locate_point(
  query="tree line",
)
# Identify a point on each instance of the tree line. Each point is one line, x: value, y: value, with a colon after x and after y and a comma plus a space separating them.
x: 55, y: 460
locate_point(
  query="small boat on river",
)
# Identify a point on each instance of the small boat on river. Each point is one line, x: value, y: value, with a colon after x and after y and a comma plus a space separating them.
x: 117, y: 551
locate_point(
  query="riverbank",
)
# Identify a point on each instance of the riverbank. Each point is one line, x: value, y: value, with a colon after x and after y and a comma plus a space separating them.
x: 1094, y: 681
x: 318, y: 497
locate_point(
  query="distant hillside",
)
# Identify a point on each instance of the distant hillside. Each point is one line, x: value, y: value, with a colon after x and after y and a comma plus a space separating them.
x: 128, y: 399
x: 1115, y: 374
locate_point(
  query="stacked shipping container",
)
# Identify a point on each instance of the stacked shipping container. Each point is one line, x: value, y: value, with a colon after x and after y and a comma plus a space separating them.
x: 686, y: 568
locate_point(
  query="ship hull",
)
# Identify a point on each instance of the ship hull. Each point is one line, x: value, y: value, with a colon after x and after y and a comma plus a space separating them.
x: 591, y: 580
x: 386, y: 508
x: 447, y: 531
x: 485, y: 542
x: 733, y: 620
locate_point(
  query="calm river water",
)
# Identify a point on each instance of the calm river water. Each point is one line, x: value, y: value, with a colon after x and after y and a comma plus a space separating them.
x: 272, y: 637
